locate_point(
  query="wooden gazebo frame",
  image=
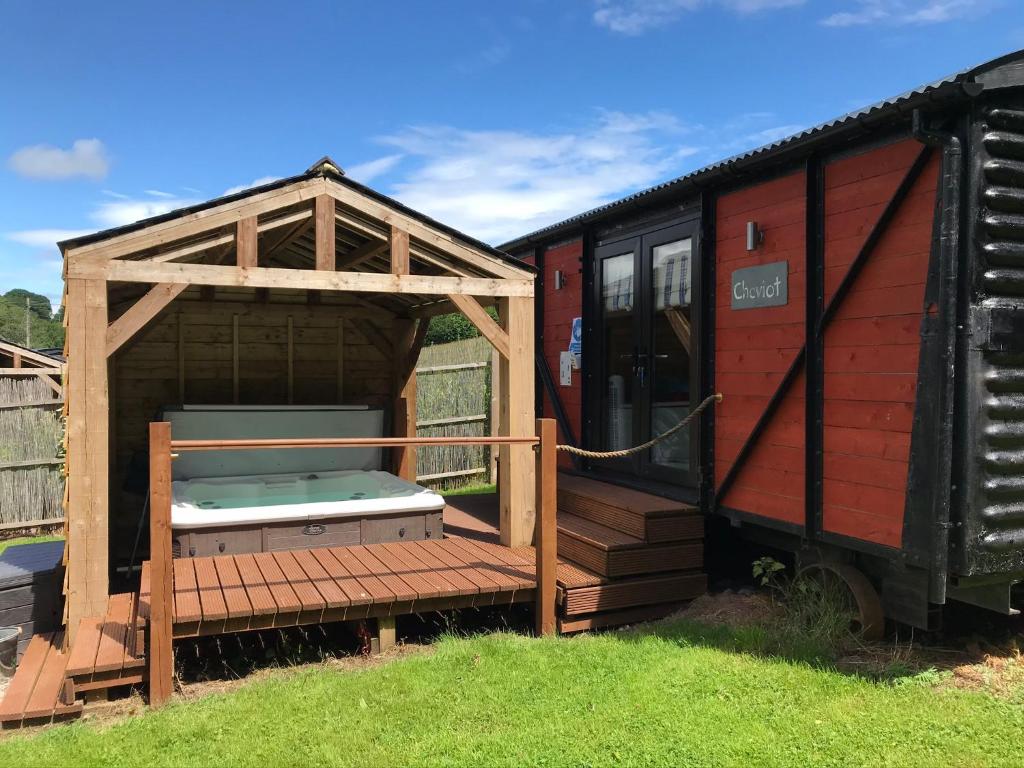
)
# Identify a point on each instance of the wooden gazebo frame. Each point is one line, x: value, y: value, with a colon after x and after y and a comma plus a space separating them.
x: 318, y: 233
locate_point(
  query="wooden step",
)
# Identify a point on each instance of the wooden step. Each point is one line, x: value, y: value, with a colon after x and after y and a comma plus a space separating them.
x: 109, y: 651
x: 634, y: 592
x: 642, y: 515
x: 616, y: 618
x: 610, y: 552
x: 40, y: 690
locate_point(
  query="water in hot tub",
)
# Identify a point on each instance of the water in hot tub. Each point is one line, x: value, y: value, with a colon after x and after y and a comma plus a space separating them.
x: 268, y: 491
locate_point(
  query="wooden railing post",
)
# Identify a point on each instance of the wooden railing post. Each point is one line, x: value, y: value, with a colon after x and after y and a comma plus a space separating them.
x: 546, y: 538
x: 160, y: 659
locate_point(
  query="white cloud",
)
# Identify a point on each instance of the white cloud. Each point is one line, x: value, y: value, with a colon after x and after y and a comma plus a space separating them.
x: 368, y: 171
x: 254, y: 183
x: 496, y: 184
x: 900, y: 12
x: 86, y: 157
x: 44, y: 238
x: 129, y: 210
x: 633, y: 17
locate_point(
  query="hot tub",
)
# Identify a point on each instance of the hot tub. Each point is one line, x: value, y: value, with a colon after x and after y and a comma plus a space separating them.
x: 264, y: 513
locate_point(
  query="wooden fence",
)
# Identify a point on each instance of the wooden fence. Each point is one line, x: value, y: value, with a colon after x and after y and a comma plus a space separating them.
x: 455, y: 398
x: 31, y: 433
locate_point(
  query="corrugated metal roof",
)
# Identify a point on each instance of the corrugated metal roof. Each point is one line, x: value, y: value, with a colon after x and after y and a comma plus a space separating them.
x: 950, y: 86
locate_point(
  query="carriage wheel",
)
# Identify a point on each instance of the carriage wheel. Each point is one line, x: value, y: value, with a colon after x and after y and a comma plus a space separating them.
x: 869, y: 623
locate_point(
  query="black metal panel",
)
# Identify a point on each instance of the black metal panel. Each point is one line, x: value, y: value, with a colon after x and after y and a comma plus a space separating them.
x: 989, y: 538
x: 929, y: 479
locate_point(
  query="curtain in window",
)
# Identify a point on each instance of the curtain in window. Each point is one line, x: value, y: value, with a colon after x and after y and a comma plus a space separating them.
x: 672, y: 274
x: 617, y: 283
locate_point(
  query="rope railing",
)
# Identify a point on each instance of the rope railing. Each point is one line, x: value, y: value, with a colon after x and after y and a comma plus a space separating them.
x: 707, y: 401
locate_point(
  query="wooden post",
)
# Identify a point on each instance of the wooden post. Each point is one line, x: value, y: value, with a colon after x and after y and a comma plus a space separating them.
x: 159, y: 657
x: 516, y: 466
x: 341, y: 360
x: 547, y: 526
x: 88, y: 452
x: 234, y: 359
x: 385, y: 633
x: 399, y: 251
x: 406, y: 337
x: 495, y: 410
x: 325, y: 242
x: 245, y: 243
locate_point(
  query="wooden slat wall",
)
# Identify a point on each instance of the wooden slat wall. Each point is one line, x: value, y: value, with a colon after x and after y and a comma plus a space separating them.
x: 147, y: 369
x: 755, y: 347
x: 872, y: 346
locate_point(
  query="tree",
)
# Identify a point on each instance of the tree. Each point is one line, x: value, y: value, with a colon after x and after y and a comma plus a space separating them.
x: 453, y: 327
x: 37, y: 303
x: 45, y: 332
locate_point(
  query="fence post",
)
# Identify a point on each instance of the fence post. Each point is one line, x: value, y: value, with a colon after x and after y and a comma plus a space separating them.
x: 160, y: 659
x: 546, y: 526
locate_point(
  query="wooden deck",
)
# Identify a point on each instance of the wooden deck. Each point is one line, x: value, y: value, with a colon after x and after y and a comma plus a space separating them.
x: 40, y: 691
x: 235, y: 593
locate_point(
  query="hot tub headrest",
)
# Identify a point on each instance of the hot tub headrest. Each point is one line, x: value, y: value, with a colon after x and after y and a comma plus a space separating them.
x: 194, y: 422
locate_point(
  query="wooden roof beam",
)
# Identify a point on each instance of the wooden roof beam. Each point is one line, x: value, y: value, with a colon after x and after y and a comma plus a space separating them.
x: 417, y: 229
x: 303, y: 279
x: 376, y: 235
x: 484, y: 323
x: 361, y: 254
x: 198, y: 223
x: 140, y: 313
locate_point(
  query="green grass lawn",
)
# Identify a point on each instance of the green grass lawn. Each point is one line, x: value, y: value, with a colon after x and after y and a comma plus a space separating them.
x: 674, y: 695
x: 26, y: 540
x: 468, y: 490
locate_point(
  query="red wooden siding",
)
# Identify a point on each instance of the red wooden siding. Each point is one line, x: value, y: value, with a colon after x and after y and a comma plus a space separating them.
x: 754, y: 348
x: 872, y: 345
x: 560, y: 307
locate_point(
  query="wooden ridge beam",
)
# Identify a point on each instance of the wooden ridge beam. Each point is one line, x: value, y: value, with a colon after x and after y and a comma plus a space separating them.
x: 484, y: 323
x: 272, y: 277
x: 140, y: 313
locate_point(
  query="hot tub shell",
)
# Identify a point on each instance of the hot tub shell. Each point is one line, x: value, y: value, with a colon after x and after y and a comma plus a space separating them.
x: 236, y: 501
x: 230, y: 515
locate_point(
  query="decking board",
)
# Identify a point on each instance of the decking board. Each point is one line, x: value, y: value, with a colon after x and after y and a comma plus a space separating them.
x: 306, y: 586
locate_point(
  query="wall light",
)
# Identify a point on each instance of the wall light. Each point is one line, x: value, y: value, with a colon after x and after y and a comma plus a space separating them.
x: 559, y: 280
x: 755, y: 236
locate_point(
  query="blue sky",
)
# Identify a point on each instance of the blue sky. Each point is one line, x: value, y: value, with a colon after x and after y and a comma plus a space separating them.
x: 496, y: 118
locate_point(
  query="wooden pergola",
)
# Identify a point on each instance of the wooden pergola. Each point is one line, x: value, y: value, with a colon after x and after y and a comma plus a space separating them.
x: 316, y: 246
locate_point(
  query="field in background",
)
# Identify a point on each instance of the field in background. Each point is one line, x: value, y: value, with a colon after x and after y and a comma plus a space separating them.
x: 453, y: 394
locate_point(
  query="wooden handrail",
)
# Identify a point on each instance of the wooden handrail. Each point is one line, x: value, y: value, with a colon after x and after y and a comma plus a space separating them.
x: 344, y: 442
x: 160, y: 658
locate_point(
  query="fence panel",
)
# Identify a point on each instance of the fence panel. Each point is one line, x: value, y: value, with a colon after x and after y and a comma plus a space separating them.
x: 31, y: 433
x: 453, y: 399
